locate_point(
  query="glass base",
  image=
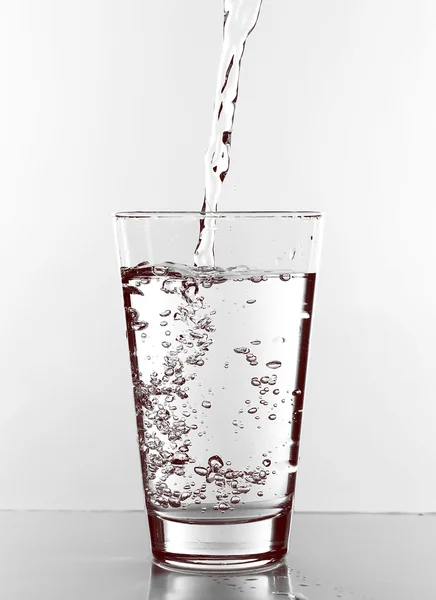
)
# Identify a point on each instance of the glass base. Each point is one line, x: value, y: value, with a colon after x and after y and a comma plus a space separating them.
x: 220, y: 546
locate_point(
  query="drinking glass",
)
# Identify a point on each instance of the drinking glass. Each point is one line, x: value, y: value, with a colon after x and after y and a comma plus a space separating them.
x: 219, y: 356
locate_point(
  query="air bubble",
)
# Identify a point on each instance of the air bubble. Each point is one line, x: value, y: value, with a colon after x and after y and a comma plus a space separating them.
x: 202, y: 471
x: 274, y: 364
x: 215, y: 463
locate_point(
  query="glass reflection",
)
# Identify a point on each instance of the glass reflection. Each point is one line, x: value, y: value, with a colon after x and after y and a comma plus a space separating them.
x: 274, y: 583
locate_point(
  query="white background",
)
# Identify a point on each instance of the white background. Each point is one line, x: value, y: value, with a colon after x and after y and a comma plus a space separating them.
x: 106, y: 105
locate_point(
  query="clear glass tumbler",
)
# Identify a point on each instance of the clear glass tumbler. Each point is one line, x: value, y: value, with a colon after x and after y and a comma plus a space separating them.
x: 218, y: 359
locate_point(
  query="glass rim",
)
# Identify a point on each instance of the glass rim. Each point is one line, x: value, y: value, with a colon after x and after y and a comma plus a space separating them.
x: 294, y: 214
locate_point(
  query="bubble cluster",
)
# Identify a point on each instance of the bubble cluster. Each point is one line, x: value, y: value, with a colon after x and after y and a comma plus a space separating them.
x: 165, y: 411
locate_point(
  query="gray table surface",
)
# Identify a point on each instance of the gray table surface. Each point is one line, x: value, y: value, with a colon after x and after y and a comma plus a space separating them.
x: 105, y: 556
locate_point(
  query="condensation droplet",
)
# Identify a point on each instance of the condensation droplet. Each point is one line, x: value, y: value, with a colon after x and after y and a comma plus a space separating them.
x: 253, y: 410
x: 166, y: 344
x: 206, y: 404
x: 272, y: 417
x: 251, y: 301
x: 260, y: 493
x: 165, y: 313
x: 266, y: 462
x: 285, y: 276
x: 256, y: 342
x: 235, y: 499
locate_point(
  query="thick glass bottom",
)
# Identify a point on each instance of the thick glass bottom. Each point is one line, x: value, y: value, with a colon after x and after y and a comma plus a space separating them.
x: 217, y: 545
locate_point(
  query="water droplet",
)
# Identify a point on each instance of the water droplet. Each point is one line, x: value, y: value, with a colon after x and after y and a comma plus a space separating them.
x: 164, y: 323
x: 143, y: 335
x: 166, y: 344
x: 260, y: 493
x: 276, y: 392
x: 296, y: 392
x: 251, y: 411
x: 235, y: 499
x: 266, y: 462
x: 255, y: 381
x: 305, y: 315
x: 197, y: 501
x: 165, y: 313
x: 274, y: 364
x: 223, y: 506
x: 206, y: 404
x: 256, y: 279
x: 272, y: 417
x: 285, y: 276
x: 159, y: 271
x: 251, y: 301
x: 226, y: 365
x: 241, y: 350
